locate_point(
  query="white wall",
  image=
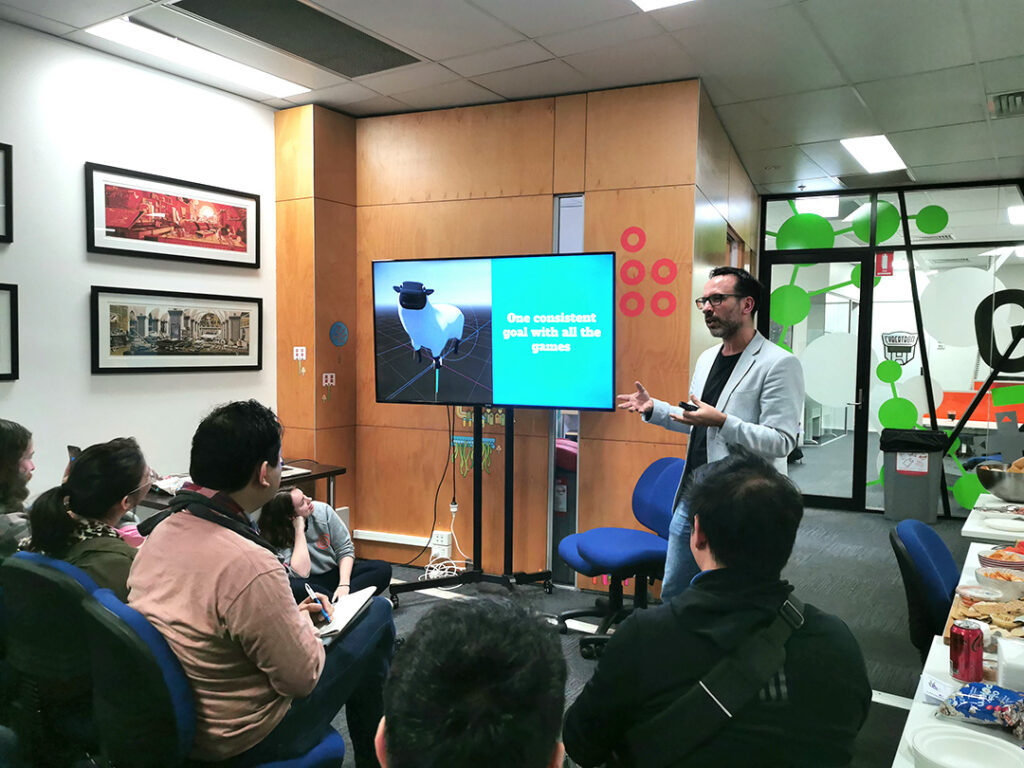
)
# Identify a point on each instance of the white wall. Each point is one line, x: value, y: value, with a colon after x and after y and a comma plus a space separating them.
x: 62, y: 105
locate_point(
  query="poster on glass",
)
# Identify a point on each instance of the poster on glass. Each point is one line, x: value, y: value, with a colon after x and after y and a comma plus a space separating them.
x: 6, y: 194
x: 139, y: 214
x: 138, y: 330
x: 8, y: 332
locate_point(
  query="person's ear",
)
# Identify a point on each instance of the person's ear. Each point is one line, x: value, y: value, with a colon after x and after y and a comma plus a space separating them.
x: 261, y: 475
x: 697, y: 538
x: 557, y: 759
x: 380, y: 746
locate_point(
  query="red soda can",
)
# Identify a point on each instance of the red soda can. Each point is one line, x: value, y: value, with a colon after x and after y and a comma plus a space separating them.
x: 965, y: 638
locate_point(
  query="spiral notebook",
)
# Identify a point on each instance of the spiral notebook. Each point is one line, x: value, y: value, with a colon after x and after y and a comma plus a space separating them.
x: 347, y: 611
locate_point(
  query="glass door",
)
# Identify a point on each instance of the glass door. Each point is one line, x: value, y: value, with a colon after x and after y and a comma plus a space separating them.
x: 819, y: 309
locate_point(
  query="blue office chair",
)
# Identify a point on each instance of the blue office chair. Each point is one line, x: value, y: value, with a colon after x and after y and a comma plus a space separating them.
x: 930, y: 576
x: 47, y: 655
x: 145, y: 713
x: 624, y: 553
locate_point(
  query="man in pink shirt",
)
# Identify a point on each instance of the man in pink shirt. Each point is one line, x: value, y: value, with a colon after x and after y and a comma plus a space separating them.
x: 264, y: 687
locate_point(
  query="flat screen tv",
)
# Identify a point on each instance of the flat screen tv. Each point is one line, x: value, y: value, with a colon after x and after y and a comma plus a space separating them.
x: 515, y: 331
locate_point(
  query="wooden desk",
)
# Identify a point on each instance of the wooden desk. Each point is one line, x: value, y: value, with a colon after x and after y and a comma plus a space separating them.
x: 156, y: 500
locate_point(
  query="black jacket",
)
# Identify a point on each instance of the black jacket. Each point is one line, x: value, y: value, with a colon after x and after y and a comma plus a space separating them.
x: 807, y: 715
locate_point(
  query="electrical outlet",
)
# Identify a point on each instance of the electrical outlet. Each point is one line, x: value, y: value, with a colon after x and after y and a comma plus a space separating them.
x: 298, y: 353
x: 438, y: 551
x: 441, y: 539
x: 328, y: 380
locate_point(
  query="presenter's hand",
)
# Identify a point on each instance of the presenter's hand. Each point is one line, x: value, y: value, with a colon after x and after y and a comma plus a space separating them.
x: 637, y: 402
x: 705, y: 415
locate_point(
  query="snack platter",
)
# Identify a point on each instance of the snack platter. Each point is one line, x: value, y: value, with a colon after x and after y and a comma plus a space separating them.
x: 997, y: 615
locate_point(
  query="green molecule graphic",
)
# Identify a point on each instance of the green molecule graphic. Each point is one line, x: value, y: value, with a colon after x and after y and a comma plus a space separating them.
x: 790, y: 304
x: 855, y: 277
x: 966, y: 490
x: 805, y: 230
x: 888, y: 371
x: 898, y: 413
x: 932, y: 219
x: 886, y: 226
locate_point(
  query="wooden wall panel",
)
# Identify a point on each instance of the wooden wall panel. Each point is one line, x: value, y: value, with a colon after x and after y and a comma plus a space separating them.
x: 334, y: 141
x: 713, y: 155
x: 642, y: 137
x: 293, y: 139
x: 338, y: 446
x: 649, y: 348
x: 498, y: 150
x: 744, y: 204
x: 570, y: 143
x: 334, y: 299
x: 710, y: 250
x: 296, y: 385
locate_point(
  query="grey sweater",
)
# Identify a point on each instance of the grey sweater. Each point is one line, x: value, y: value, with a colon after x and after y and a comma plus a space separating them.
x: 327, y: 538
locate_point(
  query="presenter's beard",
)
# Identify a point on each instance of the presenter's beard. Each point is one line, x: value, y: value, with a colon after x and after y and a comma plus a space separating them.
x: 721, y: 329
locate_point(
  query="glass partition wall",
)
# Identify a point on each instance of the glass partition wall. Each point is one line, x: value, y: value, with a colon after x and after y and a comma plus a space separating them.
x: 945, y: 297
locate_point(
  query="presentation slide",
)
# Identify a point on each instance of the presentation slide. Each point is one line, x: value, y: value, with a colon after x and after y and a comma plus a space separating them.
x: 530, y: 331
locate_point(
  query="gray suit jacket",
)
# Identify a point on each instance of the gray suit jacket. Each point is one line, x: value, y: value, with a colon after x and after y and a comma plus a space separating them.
x: 763, y: 402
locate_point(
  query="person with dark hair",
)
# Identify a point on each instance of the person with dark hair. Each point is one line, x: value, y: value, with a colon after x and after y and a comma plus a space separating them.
x: 75, y: 520
x: 316, y: 546
x: 265, y: 688
x: 477, y: 683
x: 656, y: 695
x: 745, y: 392
x: 16, y: 467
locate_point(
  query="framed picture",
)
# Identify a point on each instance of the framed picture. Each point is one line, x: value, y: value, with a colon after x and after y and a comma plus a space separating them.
x: 136, y: 330
x: 8, y: 332
x: 6, y: 194
x: 129, y: 213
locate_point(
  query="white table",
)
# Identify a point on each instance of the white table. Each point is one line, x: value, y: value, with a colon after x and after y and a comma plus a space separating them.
x: 974, y: 526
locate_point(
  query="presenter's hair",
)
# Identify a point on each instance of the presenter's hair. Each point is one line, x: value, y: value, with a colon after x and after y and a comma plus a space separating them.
x: 746, y: 283
x: 748, y: 511
x: 99, y: 479
x: 232, y: 442
x: 276, y: 520
x: 14, y: 440
x: 477, y: 683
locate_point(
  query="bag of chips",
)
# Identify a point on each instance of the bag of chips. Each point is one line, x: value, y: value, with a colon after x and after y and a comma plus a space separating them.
x: 987, y: 704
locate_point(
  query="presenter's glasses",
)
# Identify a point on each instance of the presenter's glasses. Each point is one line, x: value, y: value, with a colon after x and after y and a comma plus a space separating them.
x: 715, y: 299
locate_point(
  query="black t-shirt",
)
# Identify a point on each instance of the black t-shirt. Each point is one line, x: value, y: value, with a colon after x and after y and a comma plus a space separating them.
x: 697, y: 450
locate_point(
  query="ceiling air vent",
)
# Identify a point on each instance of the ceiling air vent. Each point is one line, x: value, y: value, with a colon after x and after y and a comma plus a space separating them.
x: 945, y: 238
x: 1009, y: 104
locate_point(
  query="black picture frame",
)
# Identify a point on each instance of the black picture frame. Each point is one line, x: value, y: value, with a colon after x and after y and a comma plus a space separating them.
x: 159, y: 217
x: 6, y: 193
x: 8, y: 332
x: 152, y: 331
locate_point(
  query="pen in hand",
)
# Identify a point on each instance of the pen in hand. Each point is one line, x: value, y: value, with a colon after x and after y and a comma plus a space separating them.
x: 315, y: 599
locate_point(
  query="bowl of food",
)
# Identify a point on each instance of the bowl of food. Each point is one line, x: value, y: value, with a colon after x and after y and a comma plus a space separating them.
x: 1003, y: 480
x: 1002, y: 558
x: 1010, y: 583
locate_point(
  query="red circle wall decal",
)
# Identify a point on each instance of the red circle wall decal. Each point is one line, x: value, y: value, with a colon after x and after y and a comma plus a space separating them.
x: 632, y: 272
x: 664, y: 271
x: 641, y: 239
x: 663, y: 303
x: 631, y: 304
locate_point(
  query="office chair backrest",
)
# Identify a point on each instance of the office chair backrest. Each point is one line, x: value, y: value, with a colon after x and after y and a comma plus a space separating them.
x: 655, y: 492
x: 143, y: 704
x: 45, y: 621
x: 930, y: 576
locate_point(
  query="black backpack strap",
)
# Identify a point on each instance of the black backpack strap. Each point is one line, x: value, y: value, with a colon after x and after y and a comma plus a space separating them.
x: 717, y: 697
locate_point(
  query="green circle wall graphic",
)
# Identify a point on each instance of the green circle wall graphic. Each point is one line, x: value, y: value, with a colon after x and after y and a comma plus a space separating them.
x: 812, y: 231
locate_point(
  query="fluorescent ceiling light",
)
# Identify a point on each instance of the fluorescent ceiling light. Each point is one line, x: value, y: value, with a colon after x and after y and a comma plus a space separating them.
x: 1016, y: 214
x: 149, y: 41
x: 653, y: 5
x: 874, y: 153
x: 823, y: 206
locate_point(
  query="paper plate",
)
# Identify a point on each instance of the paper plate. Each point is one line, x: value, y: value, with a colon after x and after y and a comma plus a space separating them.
x: 953, y: 746
x: 1011, y: 526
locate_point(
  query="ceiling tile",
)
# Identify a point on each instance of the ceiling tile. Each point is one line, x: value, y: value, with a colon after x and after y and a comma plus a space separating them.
x: 336, y: 96
x: 1011, y: 167
x: 31, y: 20
x: 1008, y: 135
x: 78, y: 14
x: 408, y: 78
x: 782, y: 164
x: 438, y: 29
x: 805, y: 118
x: 951, y: 143
x: 535, y: 18
x: 761, y: 55
x: 655, y: 59
x: 378, y: 105
x: 878, y: 39
x: 506, y: 57
x: 695, y: 14
x: 997, y: 26
x: 455, y: 94
x: 832, y: 157
x: 603, y: 35
x: 544, y: 79
x: 820, y: 184
x: 928, y: 100
x: 972, y: 170
x: 1003, y: 75
x: 747, y: 129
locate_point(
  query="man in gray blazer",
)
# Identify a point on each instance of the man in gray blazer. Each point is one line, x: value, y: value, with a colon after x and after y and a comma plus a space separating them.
x: 746, y: 391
